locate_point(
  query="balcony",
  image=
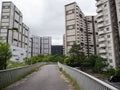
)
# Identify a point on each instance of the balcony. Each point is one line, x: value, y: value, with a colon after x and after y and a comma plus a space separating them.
x: 99, y: 10
x: 98, y: 3
x: 103, y: 56
x: 100, y: 15
x: 100, y: 20
x: 101, y: 32
x: 102, y: 51
x: 100, y: 25
x: 102, y: 45
x: 101, y: 39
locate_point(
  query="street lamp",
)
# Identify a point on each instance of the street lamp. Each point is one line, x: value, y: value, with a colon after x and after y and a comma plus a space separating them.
x: 12, y: 29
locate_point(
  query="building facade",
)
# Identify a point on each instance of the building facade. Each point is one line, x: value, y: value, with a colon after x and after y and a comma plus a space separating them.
x: 36, y: 45
x: 108, y: 20
x: 46, y: 45
x: 91, y: 36
x: 11, y: 17
x: 80, y: 29
x: 75, y: 26
x: 30, y: 48
x: 40, y: 45
x: 57, y: 49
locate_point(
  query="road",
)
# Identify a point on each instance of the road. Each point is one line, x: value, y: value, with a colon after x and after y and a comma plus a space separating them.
x: 115, y: 84
x: 47, y: 78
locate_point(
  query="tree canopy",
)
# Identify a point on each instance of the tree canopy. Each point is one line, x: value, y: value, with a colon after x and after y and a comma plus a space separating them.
x: 5, y: 54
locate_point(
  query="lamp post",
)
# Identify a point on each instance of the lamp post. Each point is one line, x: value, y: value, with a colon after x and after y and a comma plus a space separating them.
x: 12, y: 29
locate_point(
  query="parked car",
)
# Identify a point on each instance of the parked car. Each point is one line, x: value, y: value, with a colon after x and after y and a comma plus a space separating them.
x: 114, y: 78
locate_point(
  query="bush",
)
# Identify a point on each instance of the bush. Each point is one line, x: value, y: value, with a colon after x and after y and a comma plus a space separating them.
x: 110, y: 72
x: 117, y: 71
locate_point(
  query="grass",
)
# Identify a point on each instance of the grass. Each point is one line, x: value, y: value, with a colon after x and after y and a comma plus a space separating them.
x: 72, y: 80
x: 12, y: 64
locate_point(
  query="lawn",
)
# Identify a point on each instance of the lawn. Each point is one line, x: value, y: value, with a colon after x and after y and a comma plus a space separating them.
x: 12, y: 64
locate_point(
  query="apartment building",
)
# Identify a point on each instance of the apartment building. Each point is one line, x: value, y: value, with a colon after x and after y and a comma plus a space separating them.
x: 46, y: 45
x: 64, y: 44
x: 40, y: 45
x: 30, y: 48
x: 75, y: 26
x: 11, y: 17
x: 80, y: 29
x: 36, y: 45
x: 91, y: 36
x: 108, y: 20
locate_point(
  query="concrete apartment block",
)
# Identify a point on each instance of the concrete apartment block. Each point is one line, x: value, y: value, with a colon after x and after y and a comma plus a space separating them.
x: 74, y: 21
x: 46, y: 45
x: 80, y: 29
x: 108, y: 20
x: 40, y: 45
x: 36, y: 45
x: 11, y: 17
x: 91, y: 36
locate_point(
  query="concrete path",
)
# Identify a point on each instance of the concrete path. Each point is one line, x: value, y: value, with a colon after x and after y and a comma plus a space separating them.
x: 47, y: 78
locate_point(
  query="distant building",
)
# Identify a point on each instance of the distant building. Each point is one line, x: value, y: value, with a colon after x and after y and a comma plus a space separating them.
x: 64, y: 44
x: 36, y: 45
x: 30, y: 48
x: 46, y: 45
x: 40, y: 45
x: 57, y: 49
x: 11, y: 17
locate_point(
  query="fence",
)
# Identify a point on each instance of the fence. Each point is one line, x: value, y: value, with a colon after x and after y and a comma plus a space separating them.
x: 9, y: 76
x: 86, y: 81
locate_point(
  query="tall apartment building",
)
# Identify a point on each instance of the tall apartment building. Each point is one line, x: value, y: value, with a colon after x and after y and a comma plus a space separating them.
x: 91, y: 36
x: 11, y: 17
x: 108, y: 19
x: 75, y: 26
x: 80, y: 29
x: 46, y: 45
x: 64, y: 44
x: 36, y: 45
x: 30, y: 48
x: 40, y: 45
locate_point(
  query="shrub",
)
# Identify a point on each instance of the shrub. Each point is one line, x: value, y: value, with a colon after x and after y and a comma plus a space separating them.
x: 110, y: 72
x: 117, y: 71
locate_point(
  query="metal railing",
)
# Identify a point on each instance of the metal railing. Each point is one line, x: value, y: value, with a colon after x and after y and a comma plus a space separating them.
x: 9, y: 76
x: 86, y: 81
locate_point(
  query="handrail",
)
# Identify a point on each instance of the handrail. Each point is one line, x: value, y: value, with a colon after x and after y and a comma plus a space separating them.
x: 85, y: 80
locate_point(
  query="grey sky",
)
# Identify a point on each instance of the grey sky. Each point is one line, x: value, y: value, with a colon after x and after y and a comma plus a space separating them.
x: 46, y: 17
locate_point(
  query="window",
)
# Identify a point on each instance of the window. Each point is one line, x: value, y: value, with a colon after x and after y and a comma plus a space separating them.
x: 105, y: 5
x: 110, y: 54
x: 13, y: 49
x: 109, y: 42
x: 4, y: 17
x: 106, y: 21
x: 110, y: 60
x: 6, y: 7
x: 109, y: 48
x: 108, y: 36
x: 107, y: 29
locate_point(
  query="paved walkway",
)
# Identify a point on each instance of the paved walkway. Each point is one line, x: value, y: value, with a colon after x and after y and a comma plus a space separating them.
x: 47, y: 78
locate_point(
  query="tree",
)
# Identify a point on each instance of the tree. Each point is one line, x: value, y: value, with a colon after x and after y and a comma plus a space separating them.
x: 110, y: 71
x: 77, y: 55
x: 5, y: 54
x: 99, y: 64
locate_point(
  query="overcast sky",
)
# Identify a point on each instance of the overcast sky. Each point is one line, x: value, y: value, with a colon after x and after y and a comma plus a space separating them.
x: 46, y: 17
